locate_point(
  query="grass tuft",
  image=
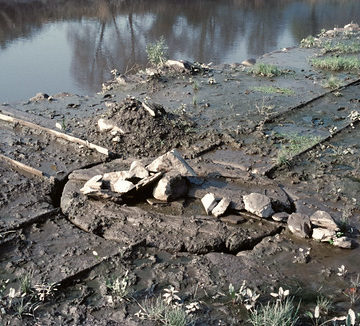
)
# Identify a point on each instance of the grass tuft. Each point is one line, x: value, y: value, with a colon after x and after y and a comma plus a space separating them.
x: 337, y: 63
x: 274, y: 90
x: 157, y: 52
x: 266, y: 70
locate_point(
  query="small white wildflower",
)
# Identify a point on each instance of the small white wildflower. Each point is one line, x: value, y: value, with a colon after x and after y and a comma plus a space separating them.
x: 95, y: 253
x: 342, y: 271
x: 12, y: 293
x: 317, y: 312
x: 192, y: 307
x: 281, y: 294
x: 171, y: 295
x: 351, y: 313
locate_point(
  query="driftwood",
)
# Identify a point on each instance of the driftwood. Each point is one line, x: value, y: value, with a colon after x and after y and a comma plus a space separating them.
x: 55, y: 133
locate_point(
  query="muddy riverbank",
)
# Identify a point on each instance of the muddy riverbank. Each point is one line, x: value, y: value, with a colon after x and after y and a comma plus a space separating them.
x: 283, y: 129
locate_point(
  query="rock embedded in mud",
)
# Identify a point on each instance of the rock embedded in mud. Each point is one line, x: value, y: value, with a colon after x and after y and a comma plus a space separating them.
x: 323, y: 235
x: 280, y: 217
x: 39, y: 97
x: 324, y: 220
x: 92, y: 185
x: 171, y: 161
x: 343, y: 242
x: 170, y: 187
x: 123, y: 186
x: 258, y: 204
x: 107, y: 125
x: 209, y: 202
x: 139, y: 170
x: 221, y: 207
x: 249, y: 62
x: 299, y: 225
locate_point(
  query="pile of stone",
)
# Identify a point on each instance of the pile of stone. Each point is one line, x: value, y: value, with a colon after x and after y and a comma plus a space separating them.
x: 214, y: 206
x: 320, y: 225
x: 166, y: 176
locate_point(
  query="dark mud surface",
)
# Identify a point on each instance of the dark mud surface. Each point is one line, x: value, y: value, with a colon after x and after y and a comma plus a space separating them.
x: 298, y: 147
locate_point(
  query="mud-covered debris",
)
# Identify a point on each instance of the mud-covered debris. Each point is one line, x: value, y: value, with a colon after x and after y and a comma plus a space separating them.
x: 39, y: 97
x: 299, y: 225
x: 249, y: 62
x: 324, y: 220
x: 154, y: 110
x: 280, y: 217
x: 171, y: 161
x: 343, y: 242
x: 258, y: 204
x: 221, y: 207
x: 323, y: 235
x: 148, y: 181
x: 209, y: 202
x: 232, y: 219
x: 184, y: 66
x: 302, y: 256
x: 170, y: 187
x: 138, y: 169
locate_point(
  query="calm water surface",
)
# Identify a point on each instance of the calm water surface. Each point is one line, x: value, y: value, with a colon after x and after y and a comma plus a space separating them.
x: 57, y: 45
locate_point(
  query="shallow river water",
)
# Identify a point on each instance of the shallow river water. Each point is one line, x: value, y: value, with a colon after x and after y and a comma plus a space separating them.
x: 54, y: 46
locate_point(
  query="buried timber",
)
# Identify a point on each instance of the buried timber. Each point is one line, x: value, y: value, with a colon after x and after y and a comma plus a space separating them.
x: 210, y: 196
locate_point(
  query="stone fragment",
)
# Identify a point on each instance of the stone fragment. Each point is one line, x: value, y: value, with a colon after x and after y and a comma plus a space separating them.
x: 323, y: 235
x: 170, y: 187
x: 343, y: 242
x: 209, y: 202
x: 258, y: 204
x: 112, y: 177
x: 324, y: 220
x: 280, y: 217
x: 107, y: 125
x: 179, y: 65
x: 249, y: 62
x: 139, y: 170
x: 171, y: 161
x: 154, y: 110
x: 300, y: 225
x: 123, y: 186
x: 92, y: 185
x: 148, y: 181
x: 221, y: 207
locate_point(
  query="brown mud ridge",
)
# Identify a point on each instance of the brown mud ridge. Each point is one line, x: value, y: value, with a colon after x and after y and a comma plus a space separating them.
x: 263, y: 186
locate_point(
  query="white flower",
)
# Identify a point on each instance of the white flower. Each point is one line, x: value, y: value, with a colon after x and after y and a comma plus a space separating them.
x: 317, y: 312
x: 170, y: 295
x: 12, y: 293
x: 342, y: 271
x: 192, y: 307
x: 351, y: 313
x: 95, y: 253
x: 281, y: 294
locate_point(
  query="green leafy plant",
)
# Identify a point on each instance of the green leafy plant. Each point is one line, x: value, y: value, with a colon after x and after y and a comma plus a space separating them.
x: 157, y: 52
x: 119, y: 287
x: 283, y: 313
x: 332, y: 82
x: 274, y: 90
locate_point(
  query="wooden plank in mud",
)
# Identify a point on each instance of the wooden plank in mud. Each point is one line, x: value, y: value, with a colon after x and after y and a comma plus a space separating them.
x: 55, y: 133
x: 23, y: 167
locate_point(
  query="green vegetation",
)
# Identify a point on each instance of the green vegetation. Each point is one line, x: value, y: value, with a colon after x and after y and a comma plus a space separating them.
x: 119, y: 287
x: 337, y: 63
x: 295, y: 144
x: 266, y: 70
x: 157, y: 52
x: 283, y: 313
x: 332, y: 82
x: 309, y: 42
x: 342, y: 48
x: 274, y: 90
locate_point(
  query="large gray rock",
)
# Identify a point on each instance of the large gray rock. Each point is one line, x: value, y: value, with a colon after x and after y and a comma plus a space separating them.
x: 171, y: 161
x: 170, y: 187
x: 209, y: 202
x: 343, y: 242
x: 258, y: 204
x: 123, y: 186
x: 139, y: 170
x: 221, y: 207
x: 92, y: 185
x: 323, y: 235
x: 324, y: 220
x: 300, y: 225
x: 280, y: 217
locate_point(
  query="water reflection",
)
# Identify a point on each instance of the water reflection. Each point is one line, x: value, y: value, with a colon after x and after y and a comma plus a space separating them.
x: 103, y: 34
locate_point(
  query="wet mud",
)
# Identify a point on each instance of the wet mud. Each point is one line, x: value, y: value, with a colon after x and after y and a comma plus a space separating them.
x: 297, y: 147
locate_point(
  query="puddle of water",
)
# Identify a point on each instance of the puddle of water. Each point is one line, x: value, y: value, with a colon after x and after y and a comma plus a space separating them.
x: 73, y: 47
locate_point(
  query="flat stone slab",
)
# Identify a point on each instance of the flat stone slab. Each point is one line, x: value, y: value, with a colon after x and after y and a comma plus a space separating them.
x: 55, y: 251
x: 23, y: 200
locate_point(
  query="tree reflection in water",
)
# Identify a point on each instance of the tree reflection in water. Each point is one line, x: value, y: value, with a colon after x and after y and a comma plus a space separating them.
x: 107, y: 34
